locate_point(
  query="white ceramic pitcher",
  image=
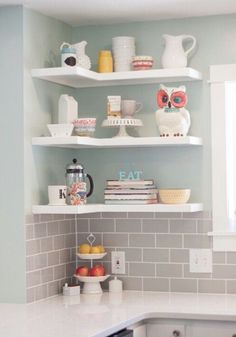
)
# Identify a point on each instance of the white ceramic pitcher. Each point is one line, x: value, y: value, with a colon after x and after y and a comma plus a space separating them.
x: 174, y: 55
x: 82, y: 59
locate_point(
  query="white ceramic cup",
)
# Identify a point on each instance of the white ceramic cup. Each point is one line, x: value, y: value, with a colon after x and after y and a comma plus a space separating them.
x: 57, y: 195
x: 130, y: 107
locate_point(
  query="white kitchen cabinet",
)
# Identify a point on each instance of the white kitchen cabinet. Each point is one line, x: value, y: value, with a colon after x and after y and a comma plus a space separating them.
x: 78, y: 77
x: 166, y: 329
x: 188, y: 328
x: 211, y: 329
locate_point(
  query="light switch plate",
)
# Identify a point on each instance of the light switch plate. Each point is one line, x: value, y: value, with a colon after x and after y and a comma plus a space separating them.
x: 200, y: 260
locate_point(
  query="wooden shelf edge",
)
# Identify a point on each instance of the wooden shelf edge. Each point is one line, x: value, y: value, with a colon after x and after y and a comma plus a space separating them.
x: 98, y: 208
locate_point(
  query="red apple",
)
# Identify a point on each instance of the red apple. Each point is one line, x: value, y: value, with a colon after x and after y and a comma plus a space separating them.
x: 97, y: 270
x: 82, y: 271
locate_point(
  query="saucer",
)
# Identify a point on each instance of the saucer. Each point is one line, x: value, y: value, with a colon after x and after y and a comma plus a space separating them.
x: 57, y: 204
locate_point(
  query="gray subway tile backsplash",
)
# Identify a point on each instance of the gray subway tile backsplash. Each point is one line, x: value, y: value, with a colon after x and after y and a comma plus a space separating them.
x: 183, y: 226
x: 49, y: 254
x: 169, y: 270
x: 183, y: 285
x: 131, y: 254
x: 141, y: 269
x: 128, y: 225
x: 155, y: 255
x: 102, y: 225
x: 156, y: 284
x: 142, y: 240
x: 155, y: 226
x: 179, y: 255
x: 115, y: 240
x: 169, y: 240
x: 224, y: 271
x: 211, y: 286
x: 156, y: 247
x: 201, y: 241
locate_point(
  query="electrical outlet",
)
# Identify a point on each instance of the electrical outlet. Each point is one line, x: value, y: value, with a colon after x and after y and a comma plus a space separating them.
x: 200, y: 260
x: 118, y: 262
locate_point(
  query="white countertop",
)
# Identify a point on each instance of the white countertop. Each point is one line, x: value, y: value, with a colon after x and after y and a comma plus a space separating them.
x: 101, y: 315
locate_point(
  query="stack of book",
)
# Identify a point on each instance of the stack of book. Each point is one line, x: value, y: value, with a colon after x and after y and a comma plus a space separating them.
x: 136, y: 192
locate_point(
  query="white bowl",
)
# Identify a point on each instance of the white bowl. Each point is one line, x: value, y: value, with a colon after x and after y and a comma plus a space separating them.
x: 60, y: 130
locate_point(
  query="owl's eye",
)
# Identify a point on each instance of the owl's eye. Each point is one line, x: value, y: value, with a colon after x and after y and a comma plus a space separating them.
x: 162, y: 98
x: 179, y: 99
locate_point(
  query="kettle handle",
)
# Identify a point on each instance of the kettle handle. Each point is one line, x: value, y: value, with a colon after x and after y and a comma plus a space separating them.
x: 91, y: 185
x: 193, y: 45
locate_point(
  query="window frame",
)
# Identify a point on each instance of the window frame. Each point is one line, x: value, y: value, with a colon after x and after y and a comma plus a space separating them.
x: 224, y: 237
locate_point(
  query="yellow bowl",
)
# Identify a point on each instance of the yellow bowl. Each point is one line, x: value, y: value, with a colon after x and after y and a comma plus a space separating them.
x: 174, y: 196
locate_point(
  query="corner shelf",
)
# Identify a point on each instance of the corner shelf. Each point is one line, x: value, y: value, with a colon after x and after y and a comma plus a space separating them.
x: 77, y: 77
x: 121, y: 142
x: 97, y: 208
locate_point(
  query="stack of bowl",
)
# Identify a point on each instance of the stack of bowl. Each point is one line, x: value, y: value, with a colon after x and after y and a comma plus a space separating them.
x: 85, y: 126
x: 142, y: 62
x: 123, y: 49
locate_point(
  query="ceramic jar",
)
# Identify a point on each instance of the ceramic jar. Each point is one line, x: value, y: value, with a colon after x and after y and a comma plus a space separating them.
x: 105, y: 62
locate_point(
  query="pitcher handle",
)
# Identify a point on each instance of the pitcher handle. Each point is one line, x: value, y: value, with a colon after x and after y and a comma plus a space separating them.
x: 193, y: 45
x: 64, y: 44
x: 139, y: 106
x: 91, y: 185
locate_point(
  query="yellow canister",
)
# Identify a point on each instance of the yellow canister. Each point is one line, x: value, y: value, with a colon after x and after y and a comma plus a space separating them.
x: 105, y: 62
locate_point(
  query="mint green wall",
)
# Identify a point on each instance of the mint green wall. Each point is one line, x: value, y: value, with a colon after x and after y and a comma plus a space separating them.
x: 12, y: 244
x: 42, y: 39
x: 170, y: 167
x: 29, y: 40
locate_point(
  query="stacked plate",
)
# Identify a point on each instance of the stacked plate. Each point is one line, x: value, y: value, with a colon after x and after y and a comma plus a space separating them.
x: 123, y: 48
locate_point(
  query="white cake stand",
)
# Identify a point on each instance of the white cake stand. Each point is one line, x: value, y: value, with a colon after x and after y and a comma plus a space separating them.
x: 122, y: 123
x: 92, y: 283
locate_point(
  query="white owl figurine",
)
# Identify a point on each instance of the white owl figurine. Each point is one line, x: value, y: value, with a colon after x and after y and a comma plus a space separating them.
x: 172, y: 118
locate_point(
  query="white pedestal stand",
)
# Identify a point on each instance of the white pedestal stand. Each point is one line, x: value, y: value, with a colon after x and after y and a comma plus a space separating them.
x: 122, y: 123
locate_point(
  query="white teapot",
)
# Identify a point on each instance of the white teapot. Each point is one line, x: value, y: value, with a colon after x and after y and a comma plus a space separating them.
x: 174, y: 55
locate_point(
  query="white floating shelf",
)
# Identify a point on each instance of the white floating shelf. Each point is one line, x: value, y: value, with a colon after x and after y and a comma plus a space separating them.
x: 97, y: 208
x: 78, y: 77
x: 116, y: 142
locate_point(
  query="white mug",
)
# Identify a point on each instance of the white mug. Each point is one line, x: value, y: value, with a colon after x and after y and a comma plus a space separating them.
x: 130, y: 107
x: 57, y: 195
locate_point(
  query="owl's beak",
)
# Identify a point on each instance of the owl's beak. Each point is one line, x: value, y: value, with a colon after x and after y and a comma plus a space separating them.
x: 169, y: 104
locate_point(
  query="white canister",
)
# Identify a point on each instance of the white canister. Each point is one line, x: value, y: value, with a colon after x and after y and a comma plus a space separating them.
x: 57, y: 195
x: 68, y: 55
x: 67, y: 109
x: 115, y: 285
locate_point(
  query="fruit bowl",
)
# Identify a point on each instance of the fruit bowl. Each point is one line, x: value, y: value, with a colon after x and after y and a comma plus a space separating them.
x: 91, y: 256
x: 92, y: 283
